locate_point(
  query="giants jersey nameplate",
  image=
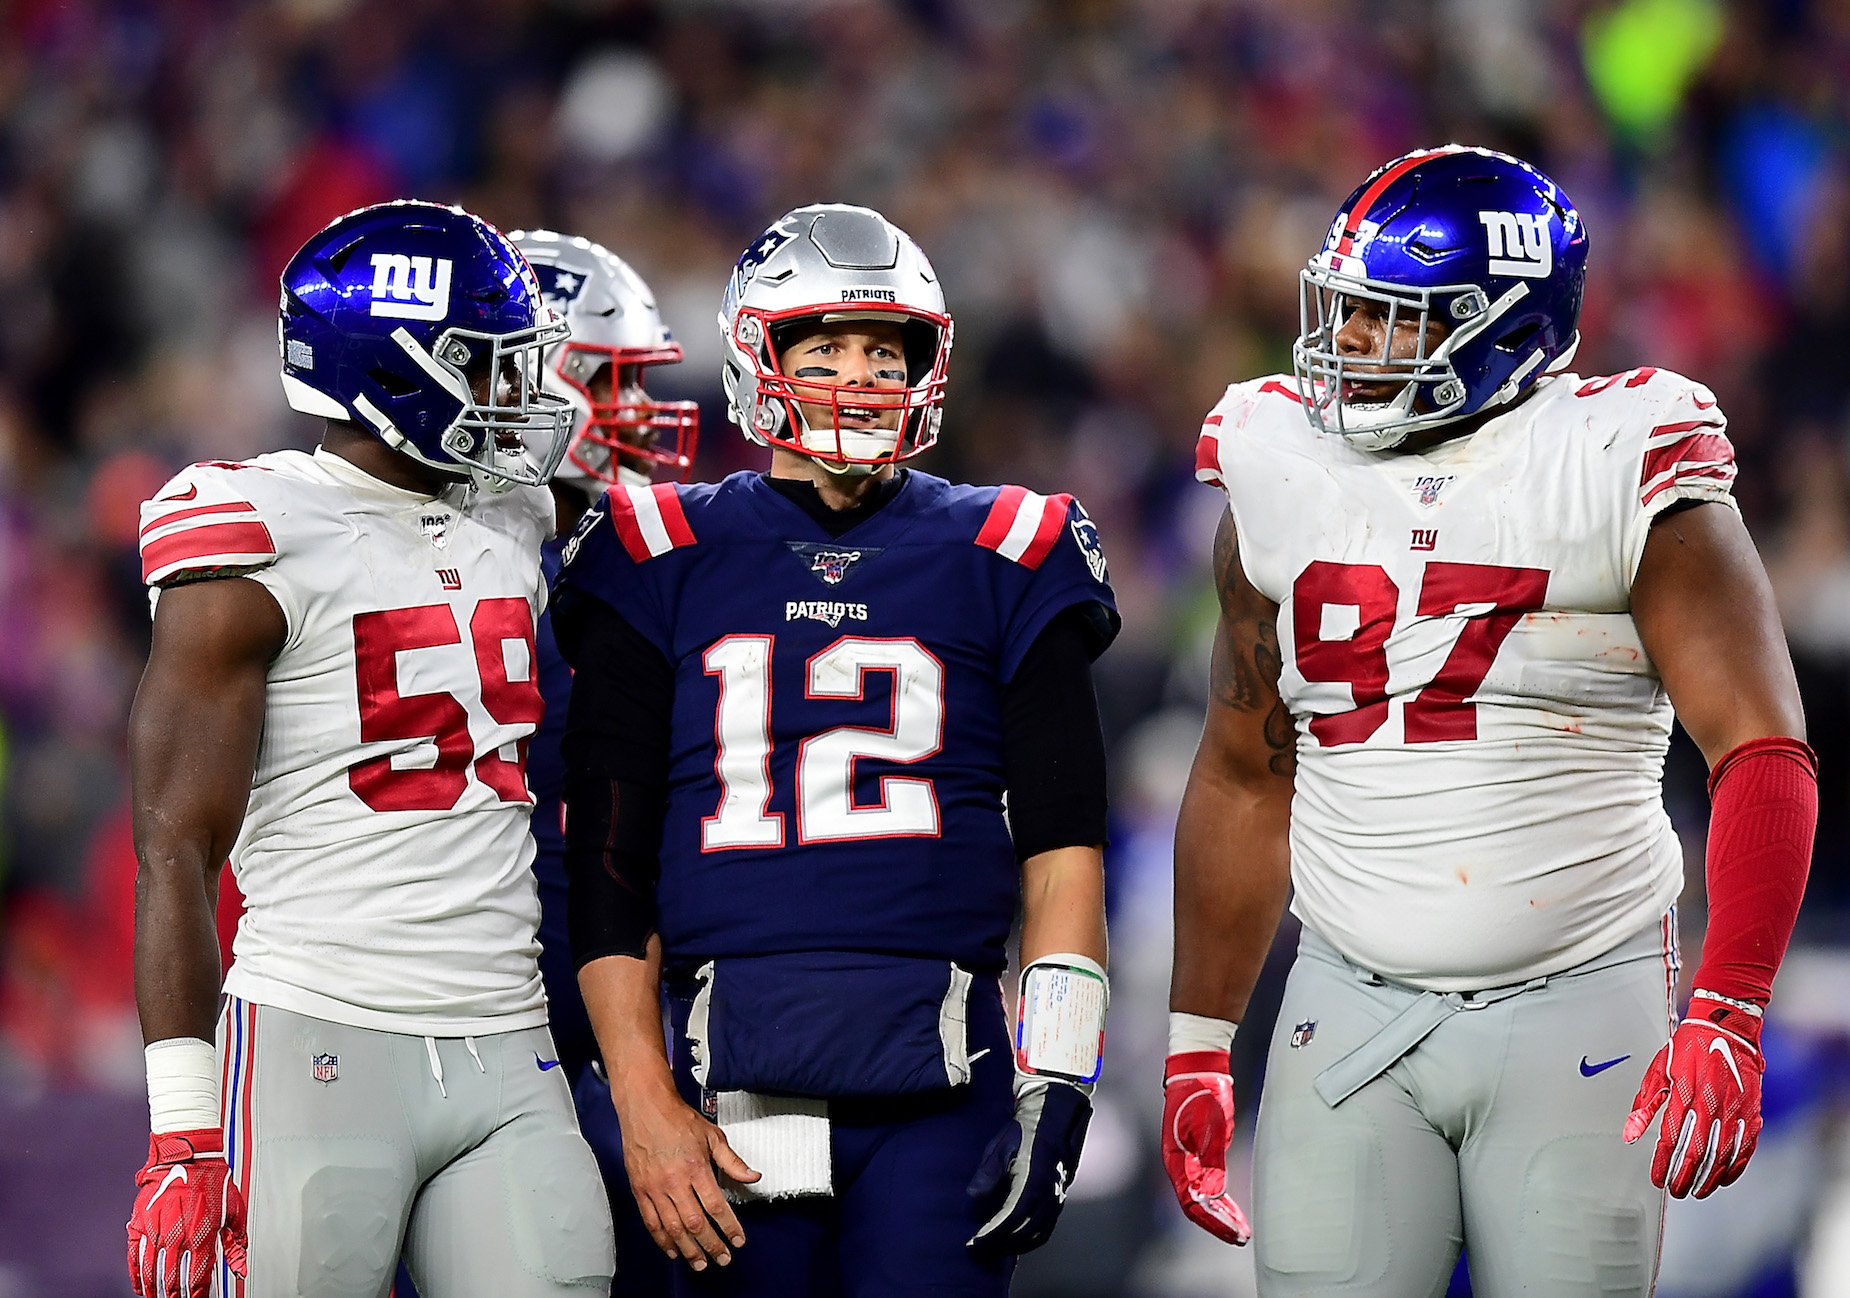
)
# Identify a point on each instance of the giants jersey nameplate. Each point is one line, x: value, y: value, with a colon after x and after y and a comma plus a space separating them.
x: 1480, y: 733
x: 384, y: 855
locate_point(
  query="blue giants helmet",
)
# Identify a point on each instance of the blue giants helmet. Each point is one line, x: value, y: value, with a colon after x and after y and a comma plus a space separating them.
x: 1477, y: 242
x: 389, y: 315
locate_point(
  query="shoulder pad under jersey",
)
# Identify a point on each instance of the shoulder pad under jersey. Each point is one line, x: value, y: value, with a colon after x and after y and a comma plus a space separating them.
x: 1669, y: 426
x: 1243, y: 402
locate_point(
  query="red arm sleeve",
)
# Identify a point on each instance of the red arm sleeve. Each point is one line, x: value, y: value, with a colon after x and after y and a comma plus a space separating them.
x: 1763, y: 811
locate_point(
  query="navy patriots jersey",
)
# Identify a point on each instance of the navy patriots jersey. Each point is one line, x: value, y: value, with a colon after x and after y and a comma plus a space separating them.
x: 835, y: 768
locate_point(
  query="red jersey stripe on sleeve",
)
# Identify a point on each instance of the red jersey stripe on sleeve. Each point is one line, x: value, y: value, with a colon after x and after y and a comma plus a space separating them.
x: 1023, y: 525
x: 1053, y: 519
x: 1704, y: 455
x: 1001, y: 517
x: 649, y: 520
x: 623, y: 519
x: 221, y: 545
x: 197, y: 511
x: 674, y: 521
x: 1207, y: 456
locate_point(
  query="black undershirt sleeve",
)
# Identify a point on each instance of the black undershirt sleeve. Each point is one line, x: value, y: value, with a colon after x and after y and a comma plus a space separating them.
x: 1053, y: 747
x: 616, y: 777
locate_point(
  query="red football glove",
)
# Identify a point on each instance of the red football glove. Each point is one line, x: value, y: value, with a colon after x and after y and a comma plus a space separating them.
x: 185, y: 1205
x: 1197, y: 1130
x: 1709, y: 1072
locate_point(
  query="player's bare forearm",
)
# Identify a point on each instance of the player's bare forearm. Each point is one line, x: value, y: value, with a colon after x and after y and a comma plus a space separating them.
x: 1233, y: 857
x: 670, y: 1152
x: 193, y: 735
x: 1705, y: 613
x: 623, y: 999
x: 1063, y: 903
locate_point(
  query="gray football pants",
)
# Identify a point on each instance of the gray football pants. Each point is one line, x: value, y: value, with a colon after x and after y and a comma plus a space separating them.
x: 1496, y: 1128
x: 353, y: 1145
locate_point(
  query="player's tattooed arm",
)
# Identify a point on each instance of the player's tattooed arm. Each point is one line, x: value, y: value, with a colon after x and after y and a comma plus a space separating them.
x: 193, y: 737
x: 1243, y: 673
x: 1233, y: 859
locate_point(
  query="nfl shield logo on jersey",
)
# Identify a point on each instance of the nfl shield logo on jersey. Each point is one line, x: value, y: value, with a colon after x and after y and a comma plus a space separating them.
x: 1302, y: 1033
x: 325, y: 1068
x: 1429, y: 485
x: 832, y: 565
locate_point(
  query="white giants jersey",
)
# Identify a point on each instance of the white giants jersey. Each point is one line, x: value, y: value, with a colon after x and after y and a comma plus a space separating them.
x: 385, y: 852
x: 1480, y: 733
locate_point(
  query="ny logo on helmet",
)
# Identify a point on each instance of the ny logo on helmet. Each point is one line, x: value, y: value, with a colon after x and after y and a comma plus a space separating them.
x: 404, y: 288
x: 1519, y: 244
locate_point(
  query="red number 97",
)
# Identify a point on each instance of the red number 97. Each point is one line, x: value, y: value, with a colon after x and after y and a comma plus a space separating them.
x: 1497, y: 597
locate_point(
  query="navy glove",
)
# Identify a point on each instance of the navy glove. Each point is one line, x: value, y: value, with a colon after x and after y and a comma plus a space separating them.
x: 1034, y: 1156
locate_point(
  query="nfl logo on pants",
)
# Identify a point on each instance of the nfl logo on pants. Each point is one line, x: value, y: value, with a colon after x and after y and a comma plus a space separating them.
x: 326, y: 1068
x: 1302, y: 1033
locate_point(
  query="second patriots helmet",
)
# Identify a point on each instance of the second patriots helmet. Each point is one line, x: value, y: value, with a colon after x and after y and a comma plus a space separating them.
x: 1478, y: 241
x: 619, y: 432
x: 395, y: 316
x: 826, y: 263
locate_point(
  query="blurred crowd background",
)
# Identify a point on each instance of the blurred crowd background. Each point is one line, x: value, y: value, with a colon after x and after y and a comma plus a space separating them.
x: 1117, y: 195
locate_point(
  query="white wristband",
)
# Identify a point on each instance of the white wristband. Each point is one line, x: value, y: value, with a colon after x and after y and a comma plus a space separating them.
x: 182, y: 1085
x: 1746, y: 1007
x: 1198, y: 1032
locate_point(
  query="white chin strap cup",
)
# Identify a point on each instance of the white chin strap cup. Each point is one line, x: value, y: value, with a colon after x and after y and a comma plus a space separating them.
x: 862, y: 444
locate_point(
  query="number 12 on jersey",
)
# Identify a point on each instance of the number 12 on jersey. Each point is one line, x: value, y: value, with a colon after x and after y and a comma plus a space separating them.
x: 826, y: 809
x: 1497, y: 598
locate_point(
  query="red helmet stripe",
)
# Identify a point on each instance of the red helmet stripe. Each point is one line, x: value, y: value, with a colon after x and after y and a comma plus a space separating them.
x: 1353, y: 225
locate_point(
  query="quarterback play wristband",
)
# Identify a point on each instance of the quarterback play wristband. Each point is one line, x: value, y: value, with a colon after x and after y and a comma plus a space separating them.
x: 1060, y: 1024
x: 182, y: 1085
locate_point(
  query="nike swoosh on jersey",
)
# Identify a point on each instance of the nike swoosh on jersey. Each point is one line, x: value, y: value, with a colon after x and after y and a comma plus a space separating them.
x: 188, y: 494
x: 545, y: 1063
x: 1591, y: 1070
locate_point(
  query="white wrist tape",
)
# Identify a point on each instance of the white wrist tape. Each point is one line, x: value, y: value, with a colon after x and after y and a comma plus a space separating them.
x: 182, y: 1085
x: 1188, y: 1032
x: 1060, y: 1025
x: 1746, y: 1007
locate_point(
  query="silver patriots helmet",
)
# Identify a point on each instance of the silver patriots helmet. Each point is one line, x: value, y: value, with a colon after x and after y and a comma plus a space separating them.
x: 622, y: 434
x: 825, y: 263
